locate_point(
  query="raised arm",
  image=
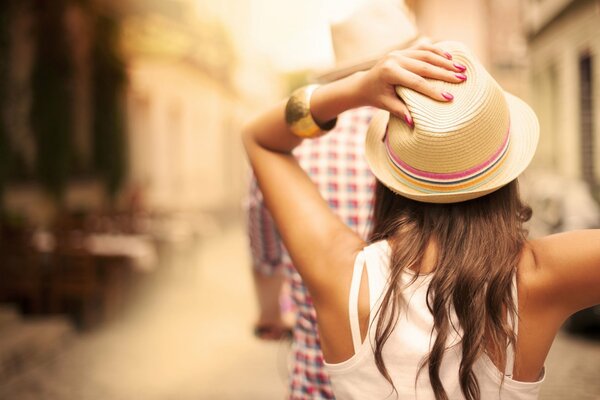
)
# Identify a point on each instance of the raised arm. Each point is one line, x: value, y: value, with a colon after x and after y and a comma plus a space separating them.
x: 321, y: 246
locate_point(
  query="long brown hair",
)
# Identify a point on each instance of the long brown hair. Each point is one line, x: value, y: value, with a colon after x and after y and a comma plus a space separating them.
x: 478, y: 245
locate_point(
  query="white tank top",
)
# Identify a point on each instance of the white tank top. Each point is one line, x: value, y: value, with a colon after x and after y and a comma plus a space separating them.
x: 358, y: 377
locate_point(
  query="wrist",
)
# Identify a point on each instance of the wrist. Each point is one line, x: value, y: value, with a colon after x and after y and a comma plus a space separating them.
x: 299, y: 116
x: 360, y: 88
x: 334, y: 98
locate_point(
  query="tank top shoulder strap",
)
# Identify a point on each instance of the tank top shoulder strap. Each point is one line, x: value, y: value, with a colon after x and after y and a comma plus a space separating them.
x: 377, y: 258
x: 359, y: 264
x: 369, y: 259
x: 514, y: 320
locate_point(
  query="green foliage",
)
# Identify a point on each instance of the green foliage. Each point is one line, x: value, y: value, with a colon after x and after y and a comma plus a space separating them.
x: 52, y: 102
x: 109, y: 83
x: 52, y: 105
x: 5, y: 151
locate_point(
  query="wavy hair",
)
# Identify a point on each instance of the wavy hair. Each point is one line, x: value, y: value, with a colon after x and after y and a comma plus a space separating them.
x: 478, y: 245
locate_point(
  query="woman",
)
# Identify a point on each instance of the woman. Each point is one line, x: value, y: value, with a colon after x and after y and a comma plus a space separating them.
x: 455, y: 302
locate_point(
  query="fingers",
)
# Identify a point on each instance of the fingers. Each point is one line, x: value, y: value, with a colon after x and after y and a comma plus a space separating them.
x: 398, y: 75
x: 413, y: 68
x: 457, y: 66
x: 423, y: 50
x: 437, y: 60
x: 394, y: 105
x: 419, y: 84
x: 428, y: 46
x: 430, y: 70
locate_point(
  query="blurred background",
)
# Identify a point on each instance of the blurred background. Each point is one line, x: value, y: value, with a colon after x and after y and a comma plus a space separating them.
x: 124, y: 268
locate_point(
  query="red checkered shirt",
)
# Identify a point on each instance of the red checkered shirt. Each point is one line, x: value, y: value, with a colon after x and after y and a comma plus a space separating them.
x: 336, y: 163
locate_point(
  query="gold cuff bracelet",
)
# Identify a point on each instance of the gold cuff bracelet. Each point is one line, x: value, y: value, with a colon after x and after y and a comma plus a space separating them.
x: 299, y: 118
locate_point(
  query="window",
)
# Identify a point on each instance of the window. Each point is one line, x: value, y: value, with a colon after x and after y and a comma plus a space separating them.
x: 586, y: 117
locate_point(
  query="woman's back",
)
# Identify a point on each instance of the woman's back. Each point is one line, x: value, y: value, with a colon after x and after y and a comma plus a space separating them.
x: 409, y: 344
x: 451, y: 207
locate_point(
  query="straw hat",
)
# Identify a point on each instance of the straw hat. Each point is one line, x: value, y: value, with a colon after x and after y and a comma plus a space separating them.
x: 457, y: 150
x: 372, y: 31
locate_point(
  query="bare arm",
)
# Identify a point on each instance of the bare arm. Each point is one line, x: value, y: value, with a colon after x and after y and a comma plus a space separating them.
x: 302, y: 216
x: 321, y: 246
x: 316, y: 239
x: 568, y: 271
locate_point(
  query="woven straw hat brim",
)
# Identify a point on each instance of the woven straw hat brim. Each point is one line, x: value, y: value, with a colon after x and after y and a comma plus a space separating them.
x: 524, y: 135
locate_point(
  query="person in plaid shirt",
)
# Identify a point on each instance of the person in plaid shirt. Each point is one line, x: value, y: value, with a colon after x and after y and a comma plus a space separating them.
x: 337, y: 165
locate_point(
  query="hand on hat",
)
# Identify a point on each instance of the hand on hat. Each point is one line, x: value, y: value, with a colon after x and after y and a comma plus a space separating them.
x: 409, y: 68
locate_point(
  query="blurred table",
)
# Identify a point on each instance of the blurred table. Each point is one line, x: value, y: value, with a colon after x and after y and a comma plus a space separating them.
x: 98, y: 272
x: 139, y: 249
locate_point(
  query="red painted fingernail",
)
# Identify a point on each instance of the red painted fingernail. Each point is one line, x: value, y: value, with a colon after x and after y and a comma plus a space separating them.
x: 462, y: 77
x: 409, y: 120
x: 447, y: 96
x: 448, y: 55
x: 460, y: 67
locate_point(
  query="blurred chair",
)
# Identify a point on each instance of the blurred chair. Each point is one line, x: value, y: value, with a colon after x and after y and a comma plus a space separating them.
x: 117, y: 280
x: 74, y: 284
x: 22, y: 270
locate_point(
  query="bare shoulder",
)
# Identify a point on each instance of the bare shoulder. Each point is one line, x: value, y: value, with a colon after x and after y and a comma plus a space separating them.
x: 561, y: 273
x: 557, y: 276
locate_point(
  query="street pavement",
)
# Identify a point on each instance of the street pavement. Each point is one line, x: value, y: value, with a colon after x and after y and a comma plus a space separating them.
x: 189, y: 337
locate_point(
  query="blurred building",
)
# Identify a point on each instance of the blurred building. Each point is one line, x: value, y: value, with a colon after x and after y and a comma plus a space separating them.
x: 545, y: 51
x: 493, y: 29
x: 564, y: 44
x: 181, y: 106
x: 190, y: 87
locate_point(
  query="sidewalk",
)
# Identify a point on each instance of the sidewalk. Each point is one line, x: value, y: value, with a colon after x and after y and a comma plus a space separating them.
x: 190, y: 339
